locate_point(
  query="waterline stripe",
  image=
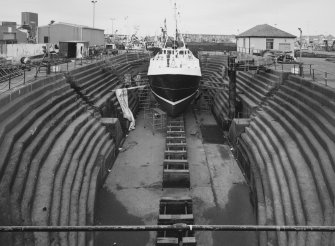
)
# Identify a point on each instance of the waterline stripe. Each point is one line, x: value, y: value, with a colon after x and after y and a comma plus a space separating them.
x: 174, y: 103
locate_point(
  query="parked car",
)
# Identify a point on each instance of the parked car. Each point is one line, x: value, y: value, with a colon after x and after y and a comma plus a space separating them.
x: 285, y: 58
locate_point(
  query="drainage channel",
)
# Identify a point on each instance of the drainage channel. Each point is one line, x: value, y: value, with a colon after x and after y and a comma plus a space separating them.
x: 175, y: 209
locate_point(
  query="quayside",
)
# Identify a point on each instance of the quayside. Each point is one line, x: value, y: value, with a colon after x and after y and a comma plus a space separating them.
x: 67, y: 159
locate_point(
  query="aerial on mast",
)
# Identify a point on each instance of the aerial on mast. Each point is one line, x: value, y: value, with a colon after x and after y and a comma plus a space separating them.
x: 175, y: 18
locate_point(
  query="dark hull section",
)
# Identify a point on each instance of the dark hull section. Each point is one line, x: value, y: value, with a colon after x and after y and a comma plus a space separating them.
x: 174, y: 88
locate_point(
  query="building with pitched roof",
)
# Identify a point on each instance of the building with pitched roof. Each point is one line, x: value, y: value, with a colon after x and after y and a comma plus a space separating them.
x: 265, y: 37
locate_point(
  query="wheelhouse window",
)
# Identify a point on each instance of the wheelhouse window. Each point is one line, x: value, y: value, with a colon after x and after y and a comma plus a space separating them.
x: 269, y: 43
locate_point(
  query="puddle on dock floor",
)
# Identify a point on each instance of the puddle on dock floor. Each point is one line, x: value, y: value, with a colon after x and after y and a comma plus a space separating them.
x: 238, y: 211
x: 109, y: 211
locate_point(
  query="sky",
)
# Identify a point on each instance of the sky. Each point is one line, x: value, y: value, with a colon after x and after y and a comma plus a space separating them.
x: 205, y: 16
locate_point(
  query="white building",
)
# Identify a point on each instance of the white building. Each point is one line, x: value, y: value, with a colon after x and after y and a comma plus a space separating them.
x: 65, y: 32
x: 265, y: 37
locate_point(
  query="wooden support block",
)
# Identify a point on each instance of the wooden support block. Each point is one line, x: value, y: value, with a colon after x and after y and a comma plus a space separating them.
x: 173, y: 199
x: 176, y: 145
x: 179, y: 148
x: 167, y: 241
x: 175, y: 132
x: 176, y: 152
x: 175, y: 161
x: 170, y: 219
x: 175, y: 166
x: 176, y: 137
x: 183, y: 172
x: 176, y: 140
x: 191, y: 241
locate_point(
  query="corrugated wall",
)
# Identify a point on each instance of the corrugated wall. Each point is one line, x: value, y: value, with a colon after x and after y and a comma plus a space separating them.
x: 93, y: 36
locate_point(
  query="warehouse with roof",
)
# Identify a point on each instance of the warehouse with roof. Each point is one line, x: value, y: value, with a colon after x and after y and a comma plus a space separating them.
x: 62, y: 32
x: 265, y: 37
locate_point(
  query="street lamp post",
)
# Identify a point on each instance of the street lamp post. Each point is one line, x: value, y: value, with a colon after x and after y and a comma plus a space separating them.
x: 300, y: 52
x: 49, y: 35
x: 94, y: 2
x: 113, y: 19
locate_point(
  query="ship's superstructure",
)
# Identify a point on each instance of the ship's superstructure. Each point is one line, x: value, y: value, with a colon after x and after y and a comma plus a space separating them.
x: 174, y: 75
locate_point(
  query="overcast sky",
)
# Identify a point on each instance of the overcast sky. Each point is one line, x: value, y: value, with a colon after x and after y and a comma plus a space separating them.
x: 206, y: 16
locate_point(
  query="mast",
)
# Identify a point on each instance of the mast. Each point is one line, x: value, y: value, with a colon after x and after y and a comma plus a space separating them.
x: 175, y: 18
x: 177, y: 34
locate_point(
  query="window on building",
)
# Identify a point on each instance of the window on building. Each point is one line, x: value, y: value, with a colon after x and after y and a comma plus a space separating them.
x: 244, y: 43
x: 269, y: 43
x: 46, y: 39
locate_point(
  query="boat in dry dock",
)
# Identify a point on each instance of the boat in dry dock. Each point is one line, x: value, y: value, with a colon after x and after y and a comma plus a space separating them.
x: 174, y: 75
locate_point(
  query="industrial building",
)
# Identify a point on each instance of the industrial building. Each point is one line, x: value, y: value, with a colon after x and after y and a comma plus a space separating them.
x: 213, y: 38
x: 9, y: 34
x: 58, y: 32
x: 265, y: 37
x: 29, y: 21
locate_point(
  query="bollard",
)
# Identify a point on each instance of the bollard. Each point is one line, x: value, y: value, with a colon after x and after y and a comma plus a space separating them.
x: 313, y: 74
x: 48, y: 68
x: 326, y: 78
x: 310, y: 69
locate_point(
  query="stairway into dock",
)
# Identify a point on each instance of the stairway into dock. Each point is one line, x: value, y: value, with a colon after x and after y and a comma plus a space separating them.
x: 289, y: 147
x: 55, y: 151
x: 284, y: 144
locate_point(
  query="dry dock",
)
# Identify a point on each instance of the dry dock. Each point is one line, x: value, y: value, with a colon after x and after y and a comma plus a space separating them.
x: 133, y: 188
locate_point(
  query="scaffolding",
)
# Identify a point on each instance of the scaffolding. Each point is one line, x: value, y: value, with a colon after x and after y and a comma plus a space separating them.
x: 144, y: 97
x: 205, y: 102
x: 156, y: 118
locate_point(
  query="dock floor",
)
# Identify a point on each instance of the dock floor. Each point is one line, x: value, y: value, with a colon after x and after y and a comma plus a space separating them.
x: 135, y: 184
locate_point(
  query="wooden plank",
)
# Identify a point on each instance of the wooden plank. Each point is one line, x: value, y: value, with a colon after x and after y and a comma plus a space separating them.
x: 167, y: 241
x: 175, y: 217
x: 175, y: 161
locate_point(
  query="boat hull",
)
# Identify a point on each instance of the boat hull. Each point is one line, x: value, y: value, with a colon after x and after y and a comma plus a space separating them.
x: 174, y: 92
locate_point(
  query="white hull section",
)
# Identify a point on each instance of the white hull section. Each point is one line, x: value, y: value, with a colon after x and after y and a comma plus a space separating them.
x: 174, y: 61
x: 154, y: 70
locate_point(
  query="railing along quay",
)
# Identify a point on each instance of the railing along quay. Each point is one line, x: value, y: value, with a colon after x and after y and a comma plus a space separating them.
x: 11, y: 81
x: 175, y: 227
